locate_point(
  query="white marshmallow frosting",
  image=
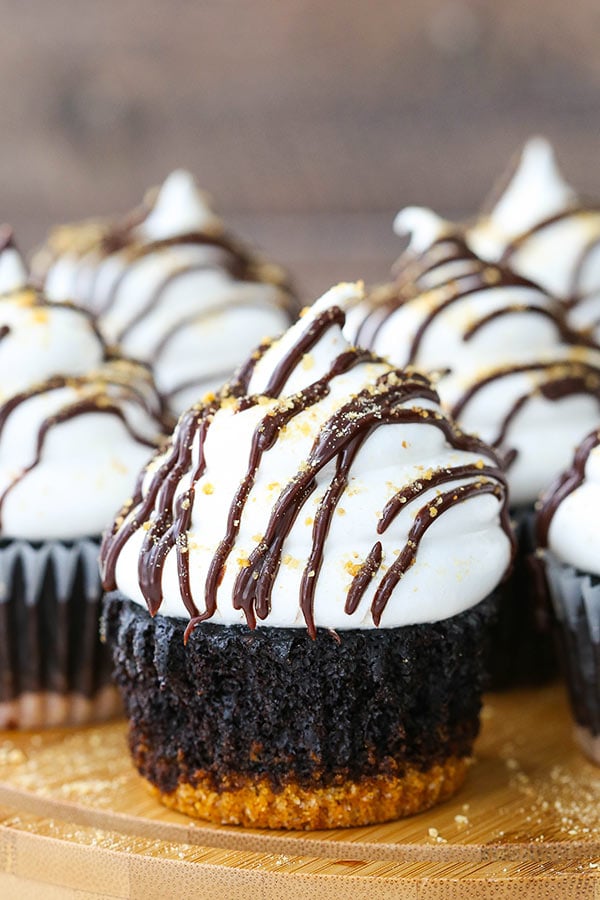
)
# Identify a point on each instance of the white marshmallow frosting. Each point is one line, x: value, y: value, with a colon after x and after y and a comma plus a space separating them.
x: 171, y: 289
x: 574, y: 533
x: 546, y: 232
x: 75, y: 427
x: 460, y: 558
x: 503, y: 351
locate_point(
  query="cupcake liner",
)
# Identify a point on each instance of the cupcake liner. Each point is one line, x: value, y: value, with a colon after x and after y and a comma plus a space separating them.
x: 53, y: 668
x: 576, y: 603
x: 522, y: 649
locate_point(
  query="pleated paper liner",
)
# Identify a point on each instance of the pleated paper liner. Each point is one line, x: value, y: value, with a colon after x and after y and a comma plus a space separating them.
x: 576, y: 602
x: 53, y: 668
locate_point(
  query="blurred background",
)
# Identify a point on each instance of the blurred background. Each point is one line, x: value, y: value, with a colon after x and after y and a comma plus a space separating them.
x: 309, y: 121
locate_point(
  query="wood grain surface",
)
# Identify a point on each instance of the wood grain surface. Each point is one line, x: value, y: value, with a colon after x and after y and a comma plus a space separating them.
x: 297, y: 107
x: 526, y: 824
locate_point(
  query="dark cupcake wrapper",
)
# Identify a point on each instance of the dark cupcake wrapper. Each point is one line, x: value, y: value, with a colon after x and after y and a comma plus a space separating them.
x: 50, y: 600
x: 522, y: 649
x: 576, y: 604
x: 274, y: 703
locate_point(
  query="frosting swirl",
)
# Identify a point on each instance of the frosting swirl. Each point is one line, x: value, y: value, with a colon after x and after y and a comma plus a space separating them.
x: 170, y: 287
x: 541, y: 228
x: 75, y: 425
x: 321, y: 487
x: 568, y: 513
x: 508, y: 365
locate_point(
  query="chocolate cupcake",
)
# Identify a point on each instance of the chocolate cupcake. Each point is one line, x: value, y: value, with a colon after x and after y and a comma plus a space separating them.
x: 507, y: 368
x: 75, y: 426
x: 538, y: 225
x: 170, y: 287
x: 569, y: 538
x: 301, y: 587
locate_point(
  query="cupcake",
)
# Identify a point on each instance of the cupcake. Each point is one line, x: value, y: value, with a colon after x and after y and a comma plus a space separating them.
x: 170, y: 287
x: 569, y: 538
x: 300, y: 590
x: 508, y: 368
x: 75, y: 427
x: 539, y: 226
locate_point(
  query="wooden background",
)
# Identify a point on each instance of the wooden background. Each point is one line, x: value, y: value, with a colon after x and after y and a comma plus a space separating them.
x: 310, y: 121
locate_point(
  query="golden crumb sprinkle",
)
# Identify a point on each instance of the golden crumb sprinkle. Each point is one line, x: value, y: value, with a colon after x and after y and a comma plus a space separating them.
x: 491, y: 275
x: 208, y: 488
x: 147, y: 525
x: 433, y: 512
x: 308, y: 521
x: 291, y: 561
x: 308, y: 361
x: 40, y: 315
x: 479, y: 464
x: 341, y: 511
x: 352, y: 568
x: 405, y: 444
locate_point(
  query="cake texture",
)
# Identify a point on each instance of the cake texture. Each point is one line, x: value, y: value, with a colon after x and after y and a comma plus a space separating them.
x: 569, y: 539
x: 303, y: 581
x: 508, y: 367
x: 170, y: 287
x: 76, y: 423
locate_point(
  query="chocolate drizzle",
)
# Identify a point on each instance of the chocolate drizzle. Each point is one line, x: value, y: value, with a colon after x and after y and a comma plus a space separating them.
x: 574, y: 294
x: 447, y: 272
x: 564, y: 485
x: 394, y: 397
x: 105, y: 290
x: 95, y: 399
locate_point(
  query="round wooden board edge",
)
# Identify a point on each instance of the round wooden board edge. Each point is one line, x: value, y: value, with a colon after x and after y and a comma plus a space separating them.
x: 296, y: 844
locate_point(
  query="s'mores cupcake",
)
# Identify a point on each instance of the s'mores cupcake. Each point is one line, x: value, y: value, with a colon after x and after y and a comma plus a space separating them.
x: 509, y: 368
x: 301, y: 587
x: 568, y: 532
x: 75, y: 426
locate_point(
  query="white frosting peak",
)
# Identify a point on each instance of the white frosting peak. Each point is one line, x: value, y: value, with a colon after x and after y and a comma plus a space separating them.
x: 13, y: 272
x: 536, y: 191
x: 319, y: 433
x: 541, y: 227
x: 423, y: 225
x: 180, y: 208
x: 192, y: 307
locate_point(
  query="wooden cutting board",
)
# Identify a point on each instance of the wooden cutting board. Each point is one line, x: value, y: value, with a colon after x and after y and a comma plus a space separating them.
x: 77, y: 821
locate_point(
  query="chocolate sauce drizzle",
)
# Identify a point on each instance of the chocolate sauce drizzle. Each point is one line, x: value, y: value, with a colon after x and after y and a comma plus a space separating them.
x: 416, y: 275
x: 96, y: 401
x: 225, y: 254
x: 574, y: 293
x: 394, y: 397
x: 564, y: 485
x: 414, y: 278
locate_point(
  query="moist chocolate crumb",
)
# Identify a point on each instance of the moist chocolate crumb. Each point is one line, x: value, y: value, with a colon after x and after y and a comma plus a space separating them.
x: 274, y: 703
